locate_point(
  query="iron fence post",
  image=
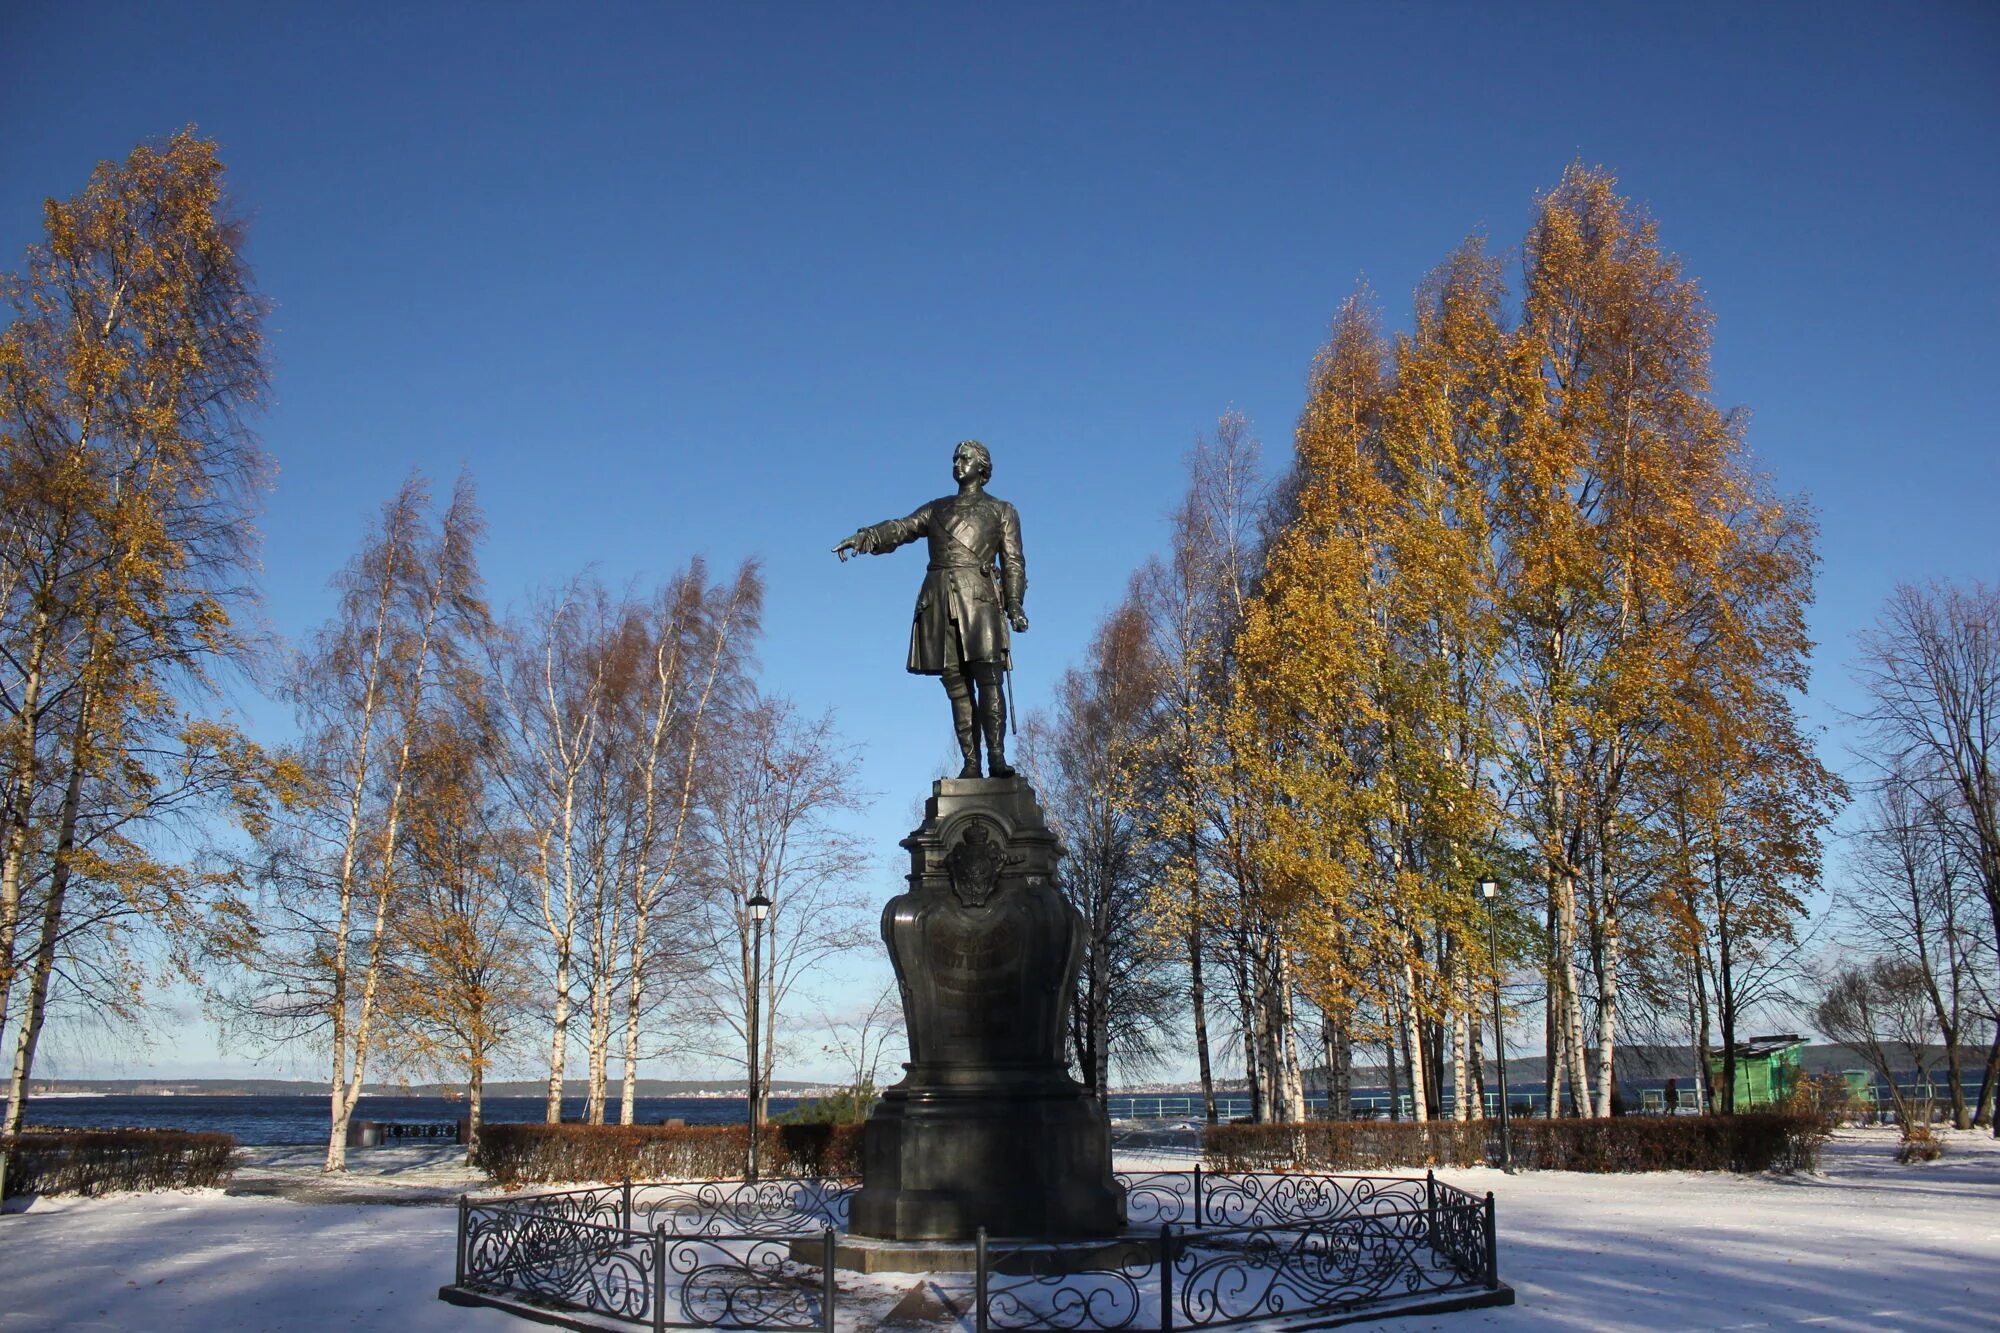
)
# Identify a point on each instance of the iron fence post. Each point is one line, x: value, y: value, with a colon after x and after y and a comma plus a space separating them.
x: 458, y: 1270
x: 660, y: 1278
x: 1166, y: 1277
x: 1197, y: 1195
x: 1431, y: 1207
x: 979, y: 1282
x: 625, y: 1206
x: 1492, y: 1247
x: 826, y: 1287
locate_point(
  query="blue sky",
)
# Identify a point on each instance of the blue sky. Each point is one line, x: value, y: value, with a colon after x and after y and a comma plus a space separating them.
x: 732, y: 279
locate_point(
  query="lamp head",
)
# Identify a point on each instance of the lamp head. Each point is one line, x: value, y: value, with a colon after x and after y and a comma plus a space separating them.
x: 1489, y: 888
x: 759, y: 905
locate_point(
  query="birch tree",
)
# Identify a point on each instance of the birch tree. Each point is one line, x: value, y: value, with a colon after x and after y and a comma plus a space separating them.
x: 777, y: 789
x: 1303, y: 732
x: 697, y: 638
x: 1646, y: 564
x: 330, y: 871
x: 127, y: 478
x: 1931, y: 666
x: 1095, y: 762
x: 549, y: 679
x: 1911, y: 897
x: 1194, y: 603
x: 459, y: 999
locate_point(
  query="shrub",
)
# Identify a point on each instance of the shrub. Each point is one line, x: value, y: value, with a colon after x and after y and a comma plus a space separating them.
x: 98, y: 1161
x: 849, y: 1106
x: 1919, y: 1145
x: 1743, y: 1143
x: 1625, y: 1143
x: 518, y: 1154
x: 1344, y: 1145
x: 1827, y: 1098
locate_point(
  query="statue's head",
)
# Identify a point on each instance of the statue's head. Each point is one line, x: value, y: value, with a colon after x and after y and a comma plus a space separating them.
x: 971, y: 459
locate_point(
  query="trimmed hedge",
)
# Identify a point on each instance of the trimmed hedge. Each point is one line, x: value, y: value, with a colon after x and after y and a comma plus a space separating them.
x: 1744, y: 1143
x: 521, y: 1154
x: 98, y: 1161
x: 1345, y: 1145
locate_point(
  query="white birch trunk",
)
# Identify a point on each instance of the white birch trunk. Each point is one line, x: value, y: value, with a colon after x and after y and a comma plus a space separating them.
x: 1608, y: 1009
x: 600, y: 1047
x: 565, y: 761
x: 25, y: 764
x: 1414, y: 1040
x: 1569, y: 1018
x: 371, y: 983
x: 634, y: 998
x: 339, y: 1107
x: 558, y: 1042
x: 1293, y: 1082
x: 1461, y: 1089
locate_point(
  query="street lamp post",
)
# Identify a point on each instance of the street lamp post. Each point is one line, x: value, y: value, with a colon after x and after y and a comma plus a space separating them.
x: 1490, y: 891
x: 760, y: 907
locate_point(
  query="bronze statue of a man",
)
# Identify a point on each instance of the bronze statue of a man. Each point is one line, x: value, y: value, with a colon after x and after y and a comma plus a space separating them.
x: 960, y: 630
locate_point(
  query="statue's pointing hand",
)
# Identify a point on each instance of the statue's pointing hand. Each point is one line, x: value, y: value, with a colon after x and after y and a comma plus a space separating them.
x: 850, y: 546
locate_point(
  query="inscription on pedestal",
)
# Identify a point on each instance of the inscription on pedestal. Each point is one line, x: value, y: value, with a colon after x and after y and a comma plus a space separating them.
x: 976, y: 966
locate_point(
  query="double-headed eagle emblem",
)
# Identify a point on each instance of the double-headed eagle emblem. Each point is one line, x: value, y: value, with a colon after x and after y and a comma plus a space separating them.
x: 977, y: 863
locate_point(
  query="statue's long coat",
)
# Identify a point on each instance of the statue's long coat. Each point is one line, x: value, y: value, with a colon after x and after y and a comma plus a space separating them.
x: 963, y: 608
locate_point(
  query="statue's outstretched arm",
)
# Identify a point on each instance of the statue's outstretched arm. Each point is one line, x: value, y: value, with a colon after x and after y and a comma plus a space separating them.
x: 878, y: 538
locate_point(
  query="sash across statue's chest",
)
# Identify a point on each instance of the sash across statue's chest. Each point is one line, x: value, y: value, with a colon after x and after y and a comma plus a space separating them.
x: 964, y: 534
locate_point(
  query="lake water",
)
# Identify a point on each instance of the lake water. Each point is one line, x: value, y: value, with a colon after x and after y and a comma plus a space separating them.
x: 262, y: 1121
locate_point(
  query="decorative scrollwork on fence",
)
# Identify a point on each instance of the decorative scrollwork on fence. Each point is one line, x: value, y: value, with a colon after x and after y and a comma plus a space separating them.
x: 1155, y: 1197
x: 1243, y: 1248
x: 1245, y: 1274
x: 1458, y: 1233
x: 552, y: 1259
x: 600, y: 1205
x: 1032, y: 1287
x: 742, y: 1282
x: 1254, y: 1200
x: 785, y: 1207
x: 1217, y: 1250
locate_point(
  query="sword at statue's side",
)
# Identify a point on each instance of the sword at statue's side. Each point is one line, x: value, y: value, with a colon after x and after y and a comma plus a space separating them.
x: 1007, y: 680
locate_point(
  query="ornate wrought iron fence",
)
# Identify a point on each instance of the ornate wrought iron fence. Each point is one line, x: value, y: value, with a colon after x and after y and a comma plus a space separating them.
x: 1206, y: 1250
x: 1219, y: 1198
x: 1241, y: 1249
x: 784, y: 1207
x: 546, y: 1260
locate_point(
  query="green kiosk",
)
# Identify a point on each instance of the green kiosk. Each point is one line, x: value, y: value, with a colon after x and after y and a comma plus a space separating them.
x: 1767, y: 1069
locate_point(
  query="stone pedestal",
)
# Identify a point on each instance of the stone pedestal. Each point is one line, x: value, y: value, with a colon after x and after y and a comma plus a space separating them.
x: 986, y: 1128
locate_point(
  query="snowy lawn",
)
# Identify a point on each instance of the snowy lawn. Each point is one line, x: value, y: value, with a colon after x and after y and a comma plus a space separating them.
x: 1869, y: 1245
x: 201, y: 1261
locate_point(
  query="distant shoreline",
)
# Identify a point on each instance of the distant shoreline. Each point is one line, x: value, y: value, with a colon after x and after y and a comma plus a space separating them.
x: 512, y: 1088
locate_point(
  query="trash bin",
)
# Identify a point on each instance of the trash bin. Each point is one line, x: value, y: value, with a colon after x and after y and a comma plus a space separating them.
x: 364, y: 1134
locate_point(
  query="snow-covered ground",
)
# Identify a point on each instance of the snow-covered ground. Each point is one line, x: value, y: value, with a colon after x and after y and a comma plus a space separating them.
x: 1867, y: 1245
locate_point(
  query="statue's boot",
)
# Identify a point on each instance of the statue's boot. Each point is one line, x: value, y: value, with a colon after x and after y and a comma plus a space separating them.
x: 993, y: 720
x: 960, y: 690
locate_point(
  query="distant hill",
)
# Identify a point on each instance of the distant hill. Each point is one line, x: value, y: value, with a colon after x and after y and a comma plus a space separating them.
x: 654, y: 1087
x: 273, y: 1087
